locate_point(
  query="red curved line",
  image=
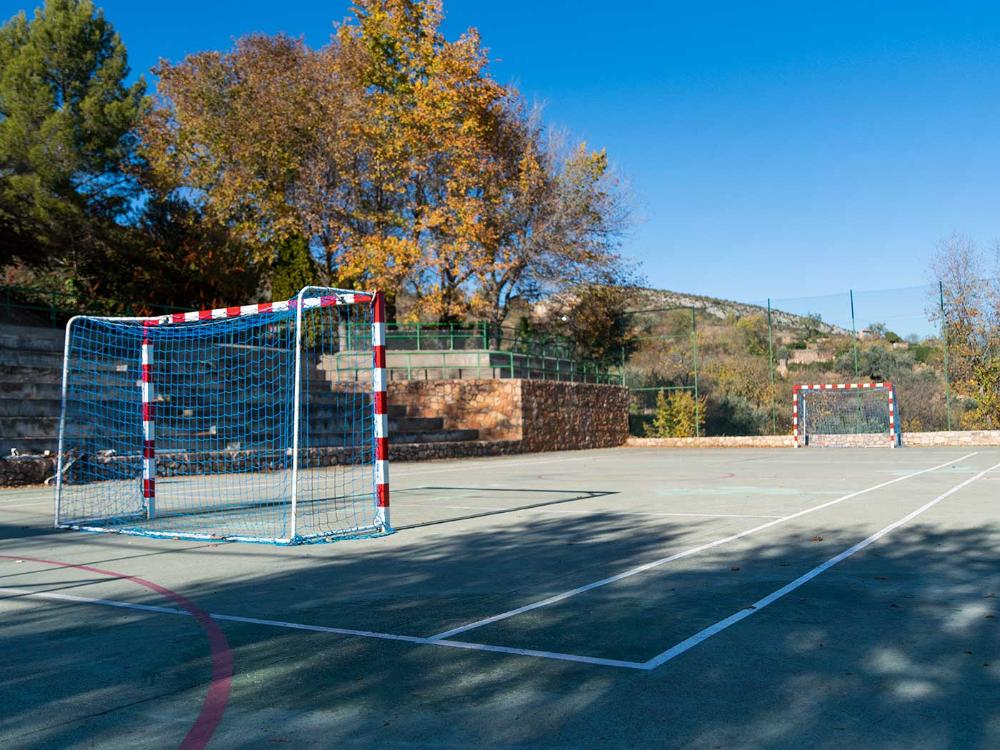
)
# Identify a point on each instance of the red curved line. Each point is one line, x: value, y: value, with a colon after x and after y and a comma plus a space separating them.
x: 222, y: 657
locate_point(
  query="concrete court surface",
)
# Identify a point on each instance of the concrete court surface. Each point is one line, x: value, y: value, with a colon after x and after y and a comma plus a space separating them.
x: 624, y: 598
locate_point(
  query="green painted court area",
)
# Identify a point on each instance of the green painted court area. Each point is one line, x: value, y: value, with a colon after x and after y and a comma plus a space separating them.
x: 623, y: 598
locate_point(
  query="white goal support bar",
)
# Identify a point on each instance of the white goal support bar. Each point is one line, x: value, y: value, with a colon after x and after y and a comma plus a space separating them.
x: 799, y: 392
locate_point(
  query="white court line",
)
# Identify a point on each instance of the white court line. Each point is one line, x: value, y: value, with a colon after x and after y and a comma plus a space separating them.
x: 757, y: 606
x: 54, y: 596
x: 436, y: 641
x: 678, y: 555
x: 555, y: 655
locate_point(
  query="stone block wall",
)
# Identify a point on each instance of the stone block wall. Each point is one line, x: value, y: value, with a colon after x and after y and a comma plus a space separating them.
x: 541, y: 415
x: 491, y: 406
x: 866, y: 440
x: 954, y: 437
x: 26, y: 470
x: 909, y: 440
x: 568, y: 416
x: 719, y: 441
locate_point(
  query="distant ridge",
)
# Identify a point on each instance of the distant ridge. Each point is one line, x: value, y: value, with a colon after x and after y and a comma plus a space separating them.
x: 646, y: 299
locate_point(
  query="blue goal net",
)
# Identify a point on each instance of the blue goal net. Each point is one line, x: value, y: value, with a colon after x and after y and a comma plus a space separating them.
x: 235, y: 424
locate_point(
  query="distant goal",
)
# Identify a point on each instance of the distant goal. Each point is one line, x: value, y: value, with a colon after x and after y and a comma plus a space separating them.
x: 237, y: 423
x: 845, y: 415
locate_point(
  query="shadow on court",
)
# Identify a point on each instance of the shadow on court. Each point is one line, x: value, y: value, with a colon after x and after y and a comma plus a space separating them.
x: 558, y: 497
x: 894, y: 648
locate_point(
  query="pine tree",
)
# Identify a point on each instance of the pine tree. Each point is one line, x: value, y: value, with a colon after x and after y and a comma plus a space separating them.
x: 294, y: 268
x: 66, y: 135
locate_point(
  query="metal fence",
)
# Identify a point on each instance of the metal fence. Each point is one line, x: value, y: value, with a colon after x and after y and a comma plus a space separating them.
x: 417, y: 350
x: 486, y: 363
x: 742, y: 359
x: 739, y: 361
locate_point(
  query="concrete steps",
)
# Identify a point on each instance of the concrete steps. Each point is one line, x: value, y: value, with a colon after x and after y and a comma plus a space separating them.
x: 29, y: 389
x: 437, y: 436
x: 31, y: 358
x: 34, y: 339
x: 26, y: 406
x: 32, y: 426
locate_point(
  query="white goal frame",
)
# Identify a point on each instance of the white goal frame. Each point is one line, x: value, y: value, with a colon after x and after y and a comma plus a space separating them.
x: 799, y: 391
x: 309, y: 298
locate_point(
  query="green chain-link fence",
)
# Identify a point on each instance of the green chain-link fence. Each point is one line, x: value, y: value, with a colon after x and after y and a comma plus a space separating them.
x: 741, y: 360
x: 736, y: 362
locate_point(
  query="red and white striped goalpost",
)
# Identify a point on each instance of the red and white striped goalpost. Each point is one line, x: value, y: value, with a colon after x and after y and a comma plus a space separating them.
x: 381, y: 411
x: 148, y: 427
x: 889, y: 388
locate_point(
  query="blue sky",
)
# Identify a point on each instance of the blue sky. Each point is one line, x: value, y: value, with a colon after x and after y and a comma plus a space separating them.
x: 774, y: 149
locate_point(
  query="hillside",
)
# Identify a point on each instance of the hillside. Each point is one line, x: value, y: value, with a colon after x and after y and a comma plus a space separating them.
x: 656, y: 299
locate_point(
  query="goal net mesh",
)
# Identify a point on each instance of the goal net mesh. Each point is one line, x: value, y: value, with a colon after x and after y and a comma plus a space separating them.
x: 217, y: 436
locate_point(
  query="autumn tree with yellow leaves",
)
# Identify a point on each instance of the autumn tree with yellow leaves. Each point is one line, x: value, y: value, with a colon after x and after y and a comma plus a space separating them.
x: 397, y: 159
x: 971, y: 323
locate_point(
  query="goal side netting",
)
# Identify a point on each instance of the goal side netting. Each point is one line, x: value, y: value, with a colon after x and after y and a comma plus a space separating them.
x: 238, y: 423
x: 845, y: 415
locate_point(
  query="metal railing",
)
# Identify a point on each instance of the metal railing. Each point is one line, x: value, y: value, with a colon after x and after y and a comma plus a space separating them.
x: 476, y: 336
x: 508, y: 356
x: 486, y: 363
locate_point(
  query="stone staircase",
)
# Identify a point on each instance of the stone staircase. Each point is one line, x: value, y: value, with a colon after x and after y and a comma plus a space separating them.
x: 30, y: 387
x: 406, y: 429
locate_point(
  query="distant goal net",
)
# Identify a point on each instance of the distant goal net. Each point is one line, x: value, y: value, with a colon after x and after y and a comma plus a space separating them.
x: 845, y: 415
x: 236, y: 423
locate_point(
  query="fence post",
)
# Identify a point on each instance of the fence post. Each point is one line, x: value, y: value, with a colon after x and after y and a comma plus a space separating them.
x: 694, y: 363
x: 486, y: 344
x: 418, y: 336
x: 944, y: 346
x: 854, y: 339
x: 770, y: 354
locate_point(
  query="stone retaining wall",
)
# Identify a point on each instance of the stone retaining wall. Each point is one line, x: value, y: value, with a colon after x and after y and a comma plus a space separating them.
x: 511, y: 415
x: 569, y: 416
x: 728, y: 441
x: 954, y: 437
x: 24, y: 470
x: 909, y: 439
x: 464, y: 449
x: 491, y: 406
x: 542, y: 415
